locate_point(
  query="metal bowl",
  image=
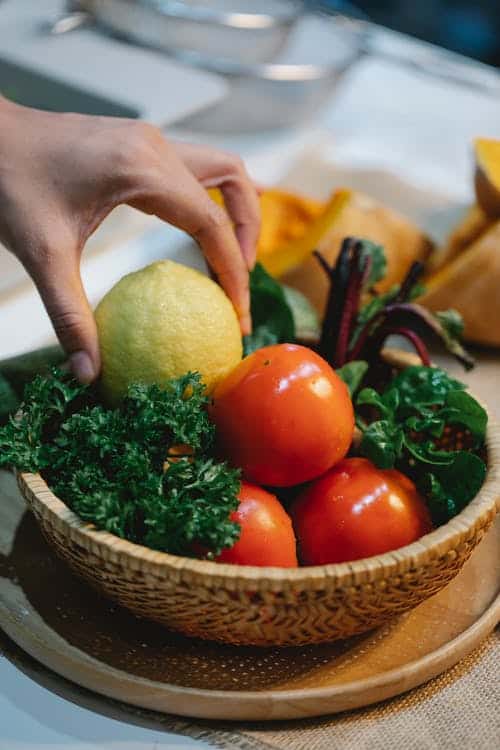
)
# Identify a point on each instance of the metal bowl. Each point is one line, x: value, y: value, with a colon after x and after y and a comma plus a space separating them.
x: 246, y: 31
x: 286, y: 92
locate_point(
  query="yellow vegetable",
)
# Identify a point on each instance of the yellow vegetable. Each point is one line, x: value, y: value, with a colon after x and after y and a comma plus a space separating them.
x: 468, y: 230
x: 470, y: 284
x: 285, y: 219
x: 487, y: 175
x: 289, y: 255
x: 357, y: 215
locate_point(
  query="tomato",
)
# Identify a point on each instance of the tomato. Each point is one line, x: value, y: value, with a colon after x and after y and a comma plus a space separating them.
x: 283, y: 415
x: 267, y: 536
x: 357, y: 510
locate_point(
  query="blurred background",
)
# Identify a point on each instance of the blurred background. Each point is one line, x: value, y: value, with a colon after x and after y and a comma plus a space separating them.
x: 471, y: 27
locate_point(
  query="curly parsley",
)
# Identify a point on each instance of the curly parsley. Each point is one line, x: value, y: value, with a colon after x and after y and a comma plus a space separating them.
x: 114, y: 467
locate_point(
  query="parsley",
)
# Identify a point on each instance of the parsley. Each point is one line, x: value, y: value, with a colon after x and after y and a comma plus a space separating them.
x: 113, y: 468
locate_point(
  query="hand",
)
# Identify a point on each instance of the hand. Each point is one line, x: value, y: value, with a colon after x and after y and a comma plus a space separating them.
x: 62, y: 174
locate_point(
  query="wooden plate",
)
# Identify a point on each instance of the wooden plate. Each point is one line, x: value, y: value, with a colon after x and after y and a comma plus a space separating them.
x: 71, y: 629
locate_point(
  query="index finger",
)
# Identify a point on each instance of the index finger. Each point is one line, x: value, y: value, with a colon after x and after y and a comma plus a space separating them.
x: 175, y: 196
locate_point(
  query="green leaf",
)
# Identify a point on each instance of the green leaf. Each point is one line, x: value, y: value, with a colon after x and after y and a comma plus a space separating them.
x: 370, y: 397
x: 442, y: 507
x: 352, y: 374
x: 8, y: 399
x: 461, y: 408
x: 272, y: 317
x: 425, y: 452
x: 420, y: 387
x: 370, y: 310
x: 305, y: 317
x: 463, y: 479
x: 452, y: 487
x: 382, y: 443
x: 378, y: 261
x: 452, y: 322
x: 416, y: 291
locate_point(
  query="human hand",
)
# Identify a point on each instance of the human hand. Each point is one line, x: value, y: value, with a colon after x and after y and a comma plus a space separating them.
x: 62, y: 174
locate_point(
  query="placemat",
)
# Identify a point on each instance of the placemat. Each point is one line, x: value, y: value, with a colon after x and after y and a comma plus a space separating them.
x: 459, y: 710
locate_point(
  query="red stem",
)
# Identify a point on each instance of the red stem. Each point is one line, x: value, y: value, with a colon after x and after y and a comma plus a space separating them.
x: 417, y: 342
x: 351, y: 306
x: 365, y: 335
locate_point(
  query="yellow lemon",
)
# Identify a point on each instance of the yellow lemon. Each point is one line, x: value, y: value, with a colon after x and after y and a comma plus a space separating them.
x: 162, y: 321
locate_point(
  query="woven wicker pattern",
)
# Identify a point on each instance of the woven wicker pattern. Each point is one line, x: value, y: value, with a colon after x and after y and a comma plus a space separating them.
x: 266, y: 606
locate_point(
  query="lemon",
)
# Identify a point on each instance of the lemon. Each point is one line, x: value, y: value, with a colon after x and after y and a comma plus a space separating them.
x: 161, y: 322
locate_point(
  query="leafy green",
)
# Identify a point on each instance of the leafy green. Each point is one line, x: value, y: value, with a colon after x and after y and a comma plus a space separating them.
x: 452, y: 322
x: 352, y: 374
x: 272, y: 317
x: 377, y: 261
x: 382, y: 443
x: 114, y: 467
x: 45, y: 402
x: 404, y: 426
x: 370, y: 310
x: 450, y: 488
x: 462, y: 409
x: 420, y: 387
x: 305, y: 317
x: 8, y: 399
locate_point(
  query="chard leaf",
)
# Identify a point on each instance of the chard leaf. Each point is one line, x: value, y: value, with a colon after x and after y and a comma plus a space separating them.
x: 382, y: 443
x: 272, y: 317
x: 461, y: 408
x: 426, y: 452
x: 305, y: 317
x: 370, y: 310
x: 420, y: 387
x: 378, y: 262
x: 442, y: 327
x: 352, y: 374
x: 463, y: 478
x: 450, y: 488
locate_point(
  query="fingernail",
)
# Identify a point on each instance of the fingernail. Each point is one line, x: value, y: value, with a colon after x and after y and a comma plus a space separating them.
x: 82, y: 367
x: 246, y: 325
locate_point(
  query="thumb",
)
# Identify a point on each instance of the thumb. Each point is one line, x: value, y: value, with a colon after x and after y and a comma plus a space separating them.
x: 61, y: 289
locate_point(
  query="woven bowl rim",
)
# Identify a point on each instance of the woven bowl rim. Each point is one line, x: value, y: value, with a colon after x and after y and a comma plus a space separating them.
x: 102, y: 543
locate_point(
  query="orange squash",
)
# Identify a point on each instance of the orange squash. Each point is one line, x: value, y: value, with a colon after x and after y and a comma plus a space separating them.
x: 362, y: 216
x: 487, y: 175
x: 470, y: 284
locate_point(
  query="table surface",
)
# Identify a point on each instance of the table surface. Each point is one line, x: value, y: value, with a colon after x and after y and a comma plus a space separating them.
x: 382, y: 118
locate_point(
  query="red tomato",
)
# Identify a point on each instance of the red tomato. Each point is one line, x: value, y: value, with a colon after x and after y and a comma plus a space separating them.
x: 267, y: 536
x: 357, y: 510
x: 283, y: 415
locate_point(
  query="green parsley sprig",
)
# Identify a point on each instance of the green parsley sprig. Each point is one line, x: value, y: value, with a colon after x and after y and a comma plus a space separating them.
x: 112, y: 466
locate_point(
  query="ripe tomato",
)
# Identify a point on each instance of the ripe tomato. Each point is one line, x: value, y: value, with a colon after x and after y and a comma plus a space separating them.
x: 357, y: 510
x: 283, y: 415
x: 267, y: 536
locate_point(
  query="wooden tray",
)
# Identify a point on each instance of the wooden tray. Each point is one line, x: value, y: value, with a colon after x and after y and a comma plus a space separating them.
x: 65, y: 625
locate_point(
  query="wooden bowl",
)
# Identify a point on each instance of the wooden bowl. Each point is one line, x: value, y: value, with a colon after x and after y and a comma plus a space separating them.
x: 267, y: 606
